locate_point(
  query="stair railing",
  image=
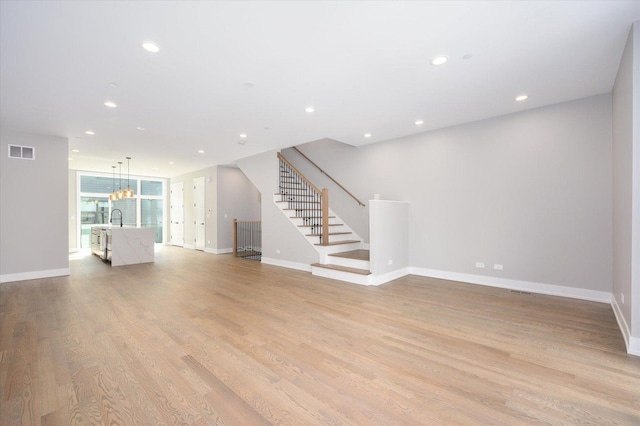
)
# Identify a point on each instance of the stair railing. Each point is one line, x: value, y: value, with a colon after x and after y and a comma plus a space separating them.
x: 327, y: 175
x: 247, y: 239
x: 305, y: 199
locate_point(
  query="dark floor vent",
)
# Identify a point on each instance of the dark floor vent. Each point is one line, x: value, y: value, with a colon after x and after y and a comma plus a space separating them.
x: 23, y: 152
x: 520, y: 292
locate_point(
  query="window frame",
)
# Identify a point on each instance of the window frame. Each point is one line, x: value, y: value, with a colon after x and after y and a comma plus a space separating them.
x: 137, y: 197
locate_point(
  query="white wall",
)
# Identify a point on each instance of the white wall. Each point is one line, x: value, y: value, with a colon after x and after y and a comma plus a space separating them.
x: 282, y: 244
x: 626, y: 192
x: 72, y: 210
x: 530, y: 191
x: 389, y: 236
x: 227, y: 192
x: 237, y: 199
x: 343, y: 205
x: 33, y: 208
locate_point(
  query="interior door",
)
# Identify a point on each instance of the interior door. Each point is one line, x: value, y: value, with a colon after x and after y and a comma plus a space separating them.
x: 199, y: 213
x: 177, y: 214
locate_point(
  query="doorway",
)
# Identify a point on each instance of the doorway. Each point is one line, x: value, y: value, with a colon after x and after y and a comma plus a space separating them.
x: 177, y: 214
x: 199, y: 213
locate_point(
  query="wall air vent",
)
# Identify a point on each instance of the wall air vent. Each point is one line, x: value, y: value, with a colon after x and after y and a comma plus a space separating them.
x: 23, y: 152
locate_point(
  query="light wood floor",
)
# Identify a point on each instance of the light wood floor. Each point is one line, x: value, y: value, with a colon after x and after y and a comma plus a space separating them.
x: 196, y: 338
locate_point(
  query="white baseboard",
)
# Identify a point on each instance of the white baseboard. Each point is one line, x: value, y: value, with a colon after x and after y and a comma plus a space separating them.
x: 390, y: 276
x: 634, y: 346
x: 34, y: 275
x: 189, y: 246
x: 218, y: 251
x: 286, y: 264
x: 550, y: 289
x: 632, y: 343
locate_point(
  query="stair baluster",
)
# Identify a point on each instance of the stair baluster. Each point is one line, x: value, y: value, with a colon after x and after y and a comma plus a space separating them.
x: 309, y: 203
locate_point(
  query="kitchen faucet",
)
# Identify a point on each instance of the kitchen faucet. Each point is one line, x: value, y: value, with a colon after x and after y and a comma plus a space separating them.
x: 111, y: 216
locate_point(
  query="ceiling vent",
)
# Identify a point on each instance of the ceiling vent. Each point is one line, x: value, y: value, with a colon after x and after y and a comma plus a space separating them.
x: 23, y: 152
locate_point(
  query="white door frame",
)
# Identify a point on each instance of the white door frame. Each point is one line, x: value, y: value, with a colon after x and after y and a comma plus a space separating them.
x: 199, y: 227
x: 177, y: 214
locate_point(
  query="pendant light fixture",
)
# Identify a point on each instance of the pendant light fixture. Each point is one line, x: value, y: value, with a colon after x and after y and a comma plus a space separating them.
x: 113, y: 196
x: 128, y: 193
x: 120, y: 193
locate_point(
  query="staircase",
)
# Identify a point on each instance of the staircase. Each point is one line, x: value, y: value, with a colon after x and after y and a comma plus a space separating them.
x: 340, y: 249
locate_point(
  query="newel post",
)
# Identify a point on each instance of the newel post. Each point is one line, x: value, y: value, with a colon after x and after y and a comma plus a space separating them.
x: 325, y: 217
x: 235, y: 237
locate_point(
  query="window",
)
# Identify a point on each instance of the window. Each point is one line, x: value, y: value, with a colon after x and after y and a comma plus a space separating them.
x: 93, y: 211
x: 151, y: 216
x: 150, y: 187
x: 145, y: 209
x: 97, y: 185
x: 128, y: 207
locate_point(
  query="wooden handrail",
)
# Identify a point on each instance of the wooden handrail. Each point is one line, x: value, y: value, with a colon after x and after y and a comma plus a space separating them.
x: 327, y: 175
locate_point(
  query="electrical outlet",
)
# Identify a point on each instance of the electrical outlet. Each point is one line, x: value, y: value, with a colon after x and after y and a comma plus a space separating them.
x: 277, y: 251
x: 479, y: 265
x: 498, y: 267
x: 390, y: 262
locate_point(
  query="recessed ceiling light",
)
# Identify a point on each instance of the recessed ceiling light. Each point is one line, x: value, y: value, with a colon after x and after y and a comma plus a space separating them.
x: 89, y: 132
x: 201, y: 151
x: 367, y: 135
x: 309, y: 109
x: 113, y: 84
x: 172, y: 162
x: 522, y: 98
x: 70, y: 159
x: 75, y: 150
x: 140, y: 128
x: 243, y: 135
x: 242, y: 141
x: 439, y: 60
x: 419, y: 122
x: 110, y: 104
x: 155, y: 168
x: 249, y: 84
x: 467, y: 56
x: 150, y: 46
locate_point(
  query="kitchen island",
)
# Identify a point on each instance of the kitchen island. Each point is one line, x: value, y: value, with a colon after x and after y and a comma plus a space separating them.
x: 123, y: 245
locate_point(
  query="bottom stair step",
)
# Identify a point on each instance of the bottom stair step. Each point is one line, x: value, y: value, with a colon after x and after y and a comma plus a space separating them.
x: 343, y: 269
x: 337, y: 243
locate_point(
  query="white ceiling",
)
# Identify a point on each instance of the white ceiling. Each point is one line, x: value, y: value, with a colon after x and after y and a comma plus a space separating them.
x: 364, y: 67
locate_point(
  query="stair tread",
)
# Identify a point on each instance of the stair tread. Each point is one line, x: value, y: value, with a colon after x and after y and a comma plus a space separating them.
x: 318, y: 226
x: 343, y: 269
x: 353, y: 254
x: 337, y: 243
x: 330, y: 233
x: 308, y: 210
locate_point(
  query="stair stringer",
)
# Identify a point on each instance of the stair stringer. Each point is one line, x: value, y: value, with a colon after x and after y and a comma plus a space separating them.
x: 323, y: 251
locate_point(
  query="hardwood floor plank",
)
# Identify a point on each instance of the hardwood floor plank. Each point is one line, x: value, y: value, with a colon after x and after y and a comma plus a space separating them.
x: 196, y: 338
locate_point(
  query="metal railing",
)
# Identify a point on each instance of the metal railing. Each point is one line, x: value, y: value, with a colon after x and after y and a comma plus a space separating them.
x: 247, y: 239
x: 305, y: 200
